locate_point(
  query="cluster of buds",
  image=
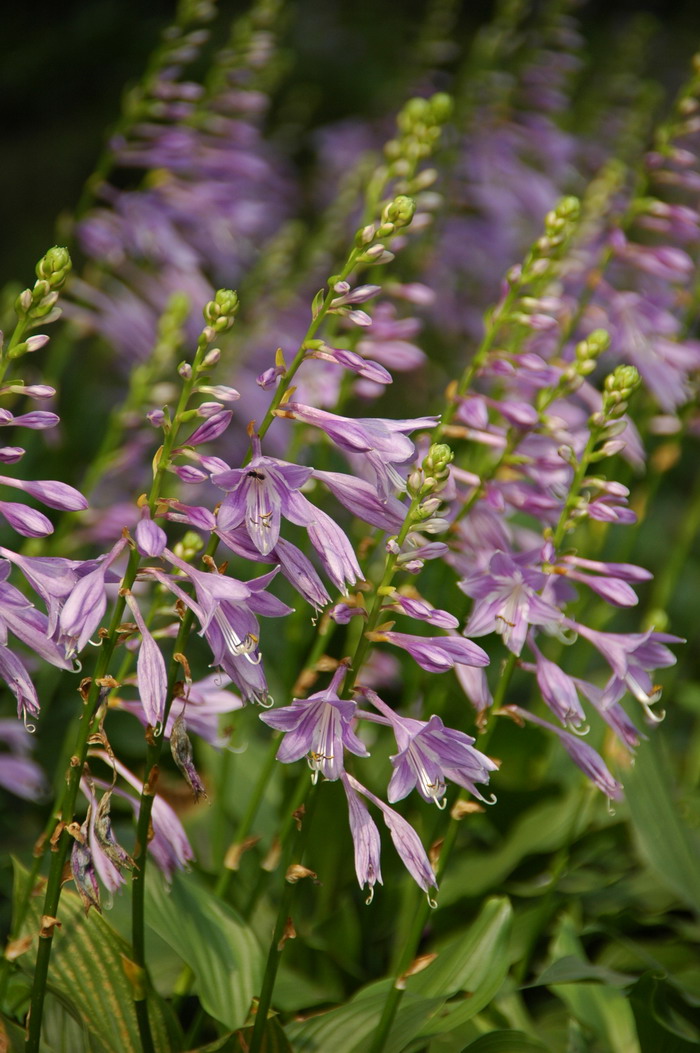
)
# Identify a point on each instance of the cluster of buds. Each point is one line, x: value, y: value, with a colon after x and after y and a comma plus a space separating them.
x: 433, y: 474
x: 369, y: 240
x: 220, y: 313
x: 426, y: 483
x: 586, y: 355
x: 419, y: 126
x: 617, y: 390
x: 560, y: 225
x: 38, y: 305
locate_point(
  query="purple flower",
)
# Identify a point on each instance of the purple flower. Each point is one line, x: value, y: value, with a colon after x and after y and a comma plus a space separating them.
x: 406, y: 840
x: 150, y: 538
x: 437, y: 654
x: 380, y: 443
x: 507, y: 600
x: 225, y: 609
x: 632, y: 656
x: 18, y: 772
x: 86, y: 604
x: 267, y: 489
x: 319, y: 726
x: 588, y: 760
x: 169, y: 845
x: 428, y: 754
x: 151, y: 674
x: 365, y: 839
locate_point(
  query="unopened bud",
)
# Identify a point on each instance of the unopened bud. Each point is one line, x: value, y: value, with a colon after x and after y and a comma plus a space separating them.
x: 219, y: 313
x: 400, y: 211
x: 54, y: 267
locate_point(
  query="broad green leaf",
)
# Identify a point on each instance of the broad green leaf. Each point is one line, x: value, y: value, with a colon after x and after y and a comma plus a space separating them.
x: 87, y: 975
x: 12, y: 1035
x: 219, y: 947
x: 274, y: 1041
x: 505, y: 1042
x: 603, y: 1010
x: 475, y: 965
x: 464, y: 963
x: 544, y: 828
x: 669, y: 847
x: 571, y: 969
x: 666, y: 1023
x: 348, y: 1028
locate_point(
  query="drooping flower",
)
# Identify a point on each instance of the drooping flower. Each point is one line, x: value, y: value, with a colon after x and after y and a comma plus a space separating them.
x: 267, y: 489
x: 507, y: 600
x: 319, y: 727
x: 406, y: 841
x: 437, y: 654
x: 429, y: 753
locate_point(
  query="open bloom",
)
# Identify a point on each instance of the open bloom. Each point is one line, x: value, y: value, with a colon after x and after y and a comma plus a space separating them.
x: 268, y: 489
x: 429, y: 753
x: 319, y: 726
x: 507, y: 600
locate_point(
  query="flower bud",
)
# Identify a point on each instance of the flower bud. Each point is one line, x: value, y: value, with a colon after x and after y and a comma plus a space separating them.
x: 400, y: 211
x: 219, y: 313
x: 54, y: 267
x: 441, y: 107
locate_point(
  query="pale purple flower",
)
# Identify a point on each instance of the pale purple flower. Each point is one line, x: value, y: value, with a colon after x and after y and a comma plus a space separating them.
x: 151, y: 674
x: 85, y: 606
x: 203, y: 701
x: 169, y: 845
x: 507, y: 600
x: 406, y: 841
x: 417, y: 608
x: 25, y: 520
x: 226, y: 609
x: 18, y: 772
x: 319, y: 727
x: 50, y: 492
x: 150, y: 538
x: 429, y: 753
x: 437, y: 654
x: 631, y: 656
x: 365, y: 839
x: 588, y: 760
x: 267, y: 489
x: 381, y: 443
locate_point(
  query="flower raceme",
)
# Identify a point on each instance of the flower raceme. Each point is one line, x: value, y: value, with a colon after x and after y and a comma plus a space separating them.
x: 321, y: 727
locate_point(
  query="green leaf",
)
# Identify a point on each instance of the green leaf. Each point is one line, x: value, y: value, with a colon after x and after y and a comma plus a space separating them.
x: 475, y: 964
x: 347, y: 1028
x: 668, y: 846
x: 603, y: 1010
x: 87, y: 976
x: 570, y: 969
x: 274, y: 1041
x: 505, y: 1042
x: 544, y: 828
x: 666, y: 1023
x: 219, y: 947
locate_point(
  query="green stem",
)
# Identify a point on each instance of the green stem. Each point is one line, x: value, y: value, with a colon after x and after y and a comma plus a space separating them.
x: 66, y: 812
x: 422, y: 913
x: 295, y: 848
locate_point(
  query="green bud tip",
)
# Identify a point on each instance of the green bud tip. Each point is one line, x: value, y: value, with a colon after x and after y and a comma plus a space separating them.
x: 54, y: 266
x: 441, y: 107
x: 400, y: 211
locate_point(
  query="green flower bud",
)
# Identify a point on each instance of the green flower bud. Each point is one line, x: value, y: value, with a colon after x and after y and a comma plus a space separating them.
x: 441, y: 107
x: 54, y: 267
x: 400, y: 211
x: 220, y: 312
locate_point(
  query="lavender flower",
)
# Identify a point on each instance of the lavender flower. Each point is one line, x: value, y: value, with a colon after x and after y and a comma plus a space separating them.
x: 319, y: 726
x: 428, y: 754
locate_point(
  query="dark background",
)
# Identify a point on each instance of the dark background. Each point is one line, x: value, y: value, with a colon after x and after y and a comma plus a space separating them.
x: 63, y: 68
